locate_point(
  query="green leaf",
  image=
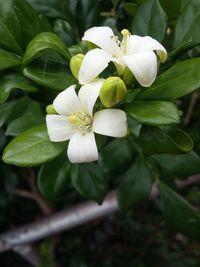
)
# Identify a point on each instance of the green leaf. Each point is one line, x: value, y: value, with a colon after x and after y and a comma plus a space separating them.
x: 172, y: 8
x: 115, y: 148
x: 89, y: 180
x: 150, y: 19
x: 181, y: 165
x: 20, y: 107
x: 31, y: 117
x: 135, y: 186
x: 81, y: 48
x: 187, y: 26
x: 131, y: 8
x: 10, y: 28
x: 174, y: 141
x: 5, y: 111
x: 65, y: 31
x: 24, y: 123
x: 55, y: 8
x: 29, y: 29
x: 88, y: 11
x: 54, y: 77
x: 181, y: 79
x: 179, y: 214
x: 12, y: 81
x: 153, y: 112
x: 43, y: 42
x: 8, y: 60
x: 53, y: 177
x: 32, y: 148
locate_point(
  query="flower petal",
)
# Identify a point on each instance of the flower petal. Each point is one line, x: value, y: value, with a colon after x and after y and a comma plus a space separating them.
x: 88, y: 95
x: 59, y: 128
x: 82, y: 148
x: 94, y: 62
x: 139, y: 44
x: 67, y: 101
x: 102, y: 37
x: 143, y: 65
x: 110, y: 122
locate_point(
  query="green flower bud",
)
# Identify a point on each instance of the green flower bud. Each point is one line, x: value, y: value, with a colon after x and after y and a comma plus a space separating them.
x: 75, y: 64
x: 128, y: 77
x: 112, y: 91
x: 50, y: 110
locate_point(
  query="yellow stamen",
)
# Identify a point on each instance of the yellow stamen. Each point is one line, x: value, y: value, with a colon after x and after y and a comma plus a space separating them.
x: 125, y: 34
x: 73, y: 119
x: 82, y: 120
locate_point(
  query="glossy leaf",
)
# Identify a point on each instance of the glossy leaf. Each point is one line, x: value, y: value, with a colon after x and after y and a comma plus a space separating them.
x: 55, y: 9
x: 174, y: 141
x: 5, y: 111
x: 153, y: 112
x: 32, y: 148
x: 52, y: 77
x: 181, y: 79
x: 181, y: 165
x: 88, y: 14
x: 31, y: 117
x: 65, y: 31
x: 131, y: 8
x: 43, y: 42
x: 89, y: 180
x: 10, y: 28
x: 135, y: 186
x: 29, y: 29
x: 187, y: 26
x: 150, y: 19
x: 12, y: 81
x: 115, y: 148
x: 8, y: 60
x: 23, y: 123
x: 20, y: 107
x: 180, y: 215
x: 53, y: 177
x: 172, y: 8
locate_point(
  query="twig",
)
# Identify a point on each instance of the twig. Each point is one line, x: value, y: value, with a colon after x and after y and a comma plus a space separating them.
x: 190, y: 110
x: 42, y: 203
x: 71, y: 218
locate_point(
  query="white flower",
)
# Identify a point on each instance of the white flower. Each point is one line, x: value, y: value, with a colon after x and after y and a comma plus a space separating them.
x: 135, y: 52
x: 75, y: 121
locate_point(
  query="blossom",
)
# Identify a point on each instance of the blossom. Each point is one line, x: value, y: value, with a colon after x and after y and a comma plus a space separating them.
x: 135, y: 52
x: 75, y: 121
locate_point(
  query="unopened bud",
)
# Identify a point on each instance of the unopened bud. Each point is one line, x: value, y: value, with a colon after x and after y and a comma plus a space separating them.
x: 75, y: 64
x: 50, y: 110
x: 112, y: 91
x: 128, y: 77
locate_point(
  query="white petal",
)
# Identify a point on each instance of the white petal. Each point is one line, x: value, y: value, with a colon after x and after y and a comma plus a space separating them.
x: 59, y: 128
x: 143, y: 65
x: 82, y: 148
x: 102, y: 37
x: 94, y: 62
x: 139, y: 44
x: 88, y: 95
x: 110, y: 122
x: 67, y: 101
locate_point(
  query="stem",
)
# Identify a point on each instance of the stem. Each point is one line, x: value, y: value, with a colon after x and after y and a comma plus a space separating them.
x: 42, y: 203
x: 190, y: 110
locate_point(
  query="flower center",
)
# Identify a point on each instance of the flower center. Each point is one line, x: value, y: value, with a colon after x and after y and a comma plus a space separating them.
x: 82, y: 120
x: 125, y: 33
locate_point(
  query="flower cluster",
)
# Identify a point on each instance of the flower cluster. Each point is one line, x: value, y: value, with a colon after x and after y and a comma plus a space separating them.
x: 74, y: 119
